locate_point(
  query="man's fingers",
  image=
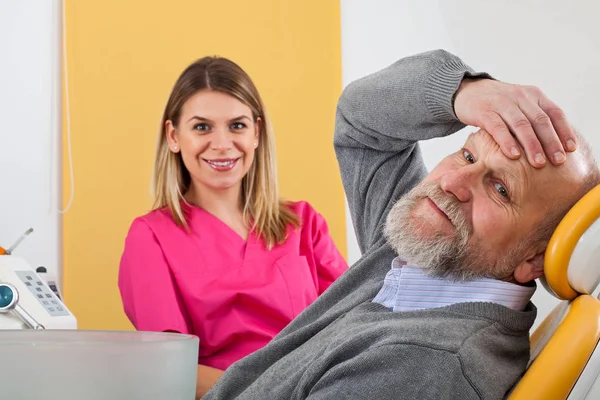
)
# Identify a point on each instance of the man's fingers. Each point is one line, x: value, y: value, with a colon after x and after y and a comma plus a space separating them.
x: 495, y: 126
x: 544, y: 130
x: 561, y: 124
x: 514, y: 115
x: 522, y: 129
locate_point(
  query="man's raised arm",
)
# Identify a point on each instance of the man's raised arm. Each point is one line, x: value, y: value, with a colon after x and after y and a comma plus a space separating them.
x: 379, y: 120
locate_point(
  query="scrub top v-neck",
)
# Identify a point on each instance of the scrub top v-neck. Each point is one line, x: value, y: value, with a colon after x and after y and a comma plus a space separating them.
x: 234, y: 294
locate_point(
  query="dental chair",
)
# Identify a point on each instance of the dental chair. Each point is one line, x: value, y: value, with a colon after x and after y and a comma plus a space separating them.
x: 565, y: 356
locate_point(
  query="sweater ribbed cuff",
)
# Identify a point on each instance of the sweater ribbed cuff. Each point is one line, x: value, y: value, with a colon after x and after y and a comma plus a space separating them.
x: 442, y: 85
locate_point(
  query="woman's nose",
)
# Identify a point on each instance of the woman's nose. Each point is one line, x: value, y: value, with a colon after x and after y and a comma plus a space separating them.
x: 221, y: 140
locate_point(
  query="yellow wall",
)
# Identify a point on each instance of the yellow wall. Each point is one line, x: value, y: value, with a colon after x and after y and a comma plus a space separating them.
x: 123, y: 58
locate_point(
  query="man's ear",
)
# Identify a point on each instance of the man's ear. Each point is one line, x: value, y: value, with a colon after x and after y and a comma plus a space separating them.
x: 530, y: 269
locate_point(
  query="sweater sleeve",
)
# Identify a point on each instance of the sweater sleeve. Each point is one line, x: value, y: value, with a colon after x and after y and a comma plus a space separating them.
x: 379, y: 120
x: 399, y: 372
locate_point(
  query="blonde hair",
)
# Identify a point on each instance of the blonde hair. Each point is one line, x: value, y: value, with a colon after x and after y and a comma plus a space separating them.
x: 263, y: 210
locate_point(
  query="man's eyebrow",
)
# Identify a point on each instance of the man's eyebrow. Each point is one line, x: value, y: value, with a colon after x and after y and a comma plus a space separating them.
x: 471, y: 142
x: 511, y: 173
x: 515, y: 176
x: 515, y: 172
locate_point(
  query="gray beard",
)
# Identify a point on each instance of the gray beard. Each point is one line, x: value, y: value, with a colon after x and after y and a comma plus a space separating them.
x: 456, y: 256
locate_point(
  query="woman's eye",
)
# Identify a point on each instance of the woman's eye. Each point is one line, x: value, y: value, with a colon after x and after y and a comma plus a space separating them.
x: 236, y: 126
x: 201, y: 127
x: 501, y: 189
x: 468, y: 157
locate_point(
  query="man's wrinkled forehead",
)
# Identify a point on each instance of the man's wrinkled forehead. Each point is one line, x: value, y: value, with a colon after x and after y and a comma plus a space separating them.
x: 540, y: 182
x: 487, y: 149
x: 486, y: 143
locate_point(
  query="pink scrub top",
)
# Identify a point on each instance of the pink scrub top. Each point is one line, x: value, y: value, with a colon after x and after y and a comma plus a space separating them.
x: 235, y: 295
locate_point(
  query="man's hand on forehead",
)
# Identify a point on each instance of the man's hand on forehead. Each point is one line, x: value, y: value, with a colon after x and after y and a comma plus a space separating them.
x: 512, y: 112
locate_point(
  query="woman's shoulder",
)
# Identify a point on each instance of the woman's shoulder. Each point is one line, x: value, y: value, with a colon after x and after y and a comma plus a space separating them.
x: 309, y: 216
x: 303, y: 209
x: 152, y: 220
x: 156, y: 226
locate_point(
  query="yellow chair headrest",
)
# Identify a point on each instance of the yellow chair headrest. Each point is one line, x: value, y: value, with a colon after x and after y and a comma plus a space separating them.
x: 572, y: 259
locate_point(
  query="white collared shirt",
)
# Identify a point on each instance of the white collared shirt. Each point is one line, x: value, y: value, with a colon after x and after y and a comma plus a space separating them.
x: 408, y: 289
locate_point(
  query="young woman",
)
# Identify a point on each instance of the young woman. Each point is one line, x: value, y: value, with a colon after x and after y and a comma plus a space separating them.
x: 221, y: 256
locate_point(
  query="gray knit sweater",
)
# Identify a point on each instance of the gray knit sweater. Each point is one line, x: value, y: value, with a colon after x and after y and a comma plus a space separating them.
x: 344, y: 346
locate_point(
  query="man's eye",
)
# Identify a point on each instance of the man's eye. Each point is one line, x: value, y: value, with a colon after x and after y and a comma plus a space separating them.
x: 236, y: 126
x: 468, y: 157
x: 501, y: 189
x: 201, y: 127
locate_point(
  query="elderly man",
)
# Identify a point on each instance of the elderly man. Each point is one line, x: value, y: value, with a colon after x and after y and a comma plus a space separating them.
x: 450, y: 319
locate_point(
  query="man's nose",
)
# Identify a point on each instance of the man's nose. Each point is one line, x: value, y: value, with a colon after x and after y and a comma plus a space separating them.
x: 460, y: 183
x: 221, y: 139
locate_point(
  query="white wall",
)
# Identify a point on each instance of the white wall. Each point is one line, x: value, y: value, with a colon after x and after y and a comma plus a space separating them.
x: 30, y: 129
x: 551, y: 44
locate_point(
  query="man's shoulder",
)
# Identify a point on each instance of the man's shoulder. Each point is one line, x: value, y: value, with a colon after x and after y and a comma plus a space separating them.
x: 494, y: 358
x: 470, y: 337
x: 435, y: 329
x: 491, y: 358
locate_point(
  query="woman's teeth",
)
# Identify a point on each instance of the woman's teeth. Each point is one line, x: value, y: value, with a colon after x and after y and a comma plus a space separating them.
x: 221, y: 163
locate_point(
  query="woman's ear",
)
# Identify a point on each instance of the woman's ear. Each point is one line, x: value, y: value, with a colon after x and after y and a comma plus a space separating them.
x: 257, y: 126
x: 171, y: 134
